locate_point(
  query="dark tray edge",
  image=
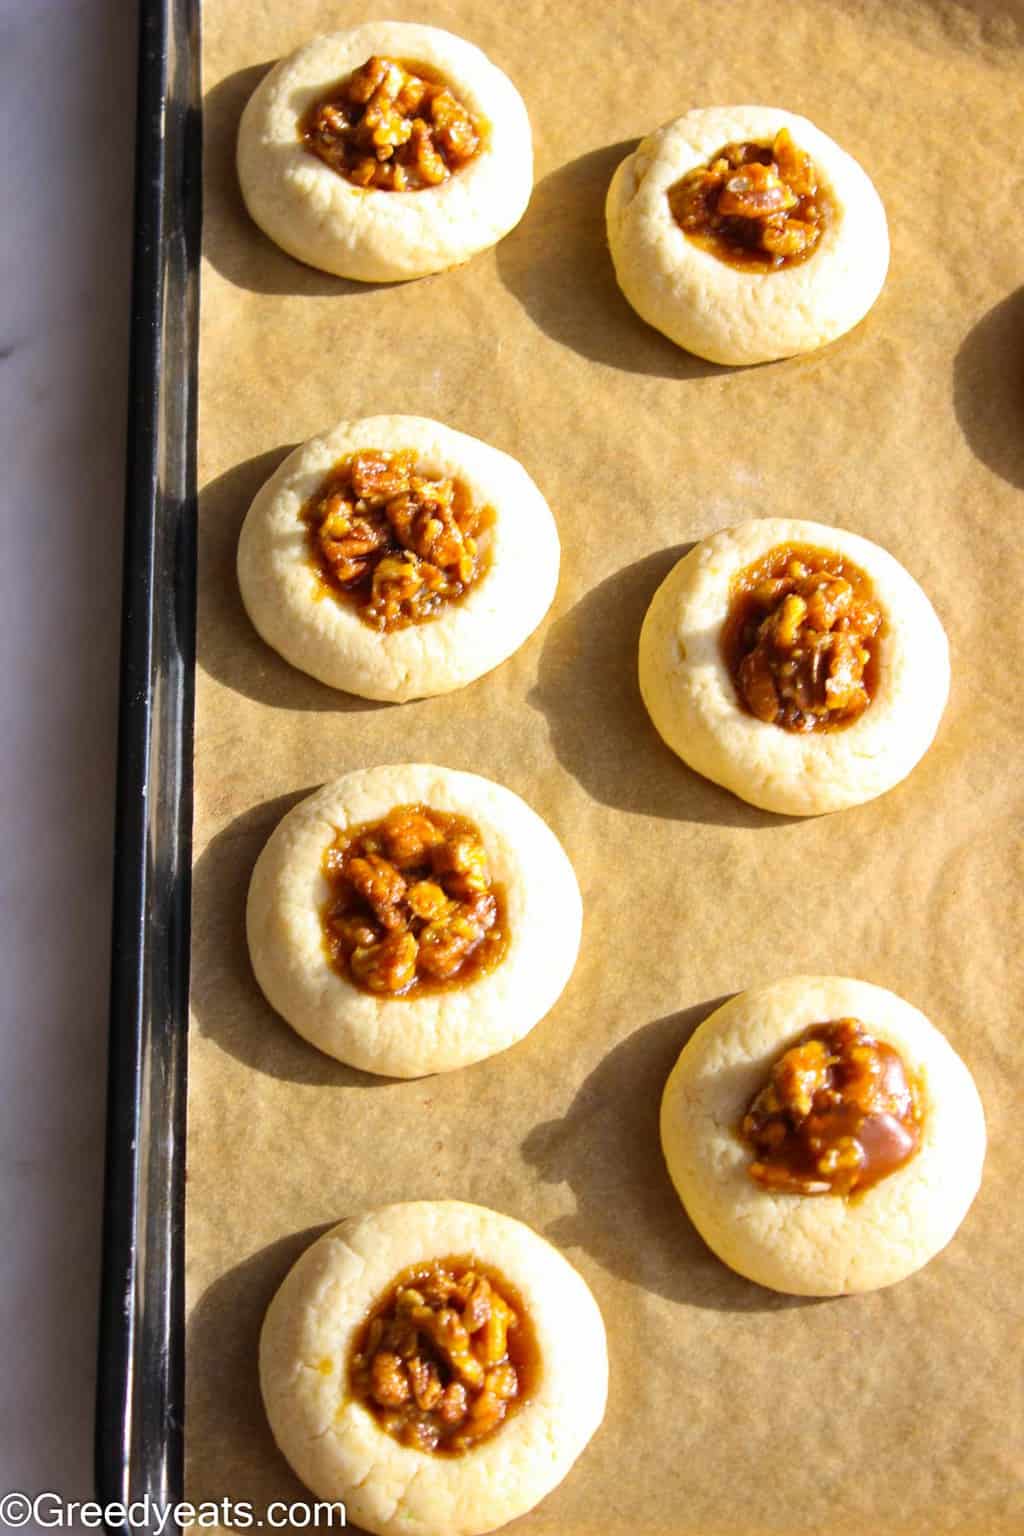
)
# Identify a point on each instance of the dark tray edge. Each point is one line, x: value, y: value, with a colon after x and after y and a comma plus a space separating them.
x: 140, y: 1381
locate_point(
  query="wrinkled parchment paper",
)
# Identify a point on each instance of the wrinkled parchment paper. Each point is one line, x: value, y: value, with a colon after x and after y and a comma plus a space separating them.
x: 732, y: 1409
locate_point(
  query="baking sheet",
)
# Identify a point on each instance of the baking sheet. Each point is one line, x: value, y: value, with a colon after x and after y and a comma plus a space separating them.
x: 732, y: 1409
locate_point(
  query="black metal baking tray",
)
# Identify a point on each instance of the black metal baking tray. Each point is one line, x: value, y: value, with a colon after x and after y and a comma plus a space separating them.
x: 141, y: 1345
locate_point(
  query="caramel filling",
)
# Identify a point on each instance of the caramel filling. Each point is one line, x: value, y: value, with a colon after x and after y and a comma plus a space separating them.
x: 446, y: 1355
x: 412, y: 908
x: 390, y: 127
x: 838, y: 1113
x: 801, y: 638
x: 398, y: 545
x: 758, y: 207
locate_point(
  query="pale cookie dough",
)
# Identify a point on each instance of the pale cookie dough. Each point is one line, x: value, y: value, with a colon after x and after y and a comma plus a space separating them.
x: 712, y: 309
x: 334, y: 1443
x: 409, y: 1037
x: 374, y: 236
x: 818, y: 1245
x: 323, y: 634
x: 692, y: 701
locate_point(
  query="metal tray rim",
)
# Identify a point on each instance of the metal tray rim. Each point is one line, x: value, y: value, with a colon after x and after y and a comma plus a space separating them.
x: 140, y: 1378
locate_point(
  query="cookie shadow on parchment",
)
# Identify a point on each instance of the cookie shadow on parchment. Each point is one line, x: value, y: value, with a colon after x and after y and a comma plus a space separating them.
x: 557, y: 265
x: 600, y: 731
x: 224, y: 1400
x: 228, y: 1007
x: 988, y: 389
x: 607, y: 1149
x: 235, y: 246
x: 228, y: 647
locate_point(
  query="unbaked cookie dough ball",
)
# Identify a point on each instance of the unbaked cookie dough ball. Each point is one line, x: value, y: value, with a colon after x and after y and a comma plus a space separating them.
x: 396, y: 558
x: 387, y: 151
x: 745, y: 234
x: 823, y: 1136
x: 435, y: 1365
x: 796, y: 664
x: 413, y: 919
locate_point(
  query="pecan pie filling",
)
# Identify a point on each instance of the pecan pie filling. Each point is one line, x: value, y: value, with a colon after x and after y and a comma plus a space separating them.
x: 392, y: 126
x: 801, y: 639
x: 412, y: 907
x: 397, y: 544
x: 758, y: 207
x: 838, y: 1113
x: 446, y: 1355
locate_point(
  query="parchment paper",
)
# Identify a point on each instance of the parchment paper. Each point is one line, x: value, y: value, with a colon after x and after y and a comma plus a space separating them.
x: 732, y: 1409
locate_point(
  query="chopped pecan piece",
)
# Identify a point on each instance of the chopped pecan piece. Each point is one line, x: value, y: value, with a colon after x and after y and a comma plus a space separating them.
x: 444, y: 1358
x: 478, y: 1306
x: 800, y: 639
x: 485, y: 1414
x: 426, y: 1382
x: 462, y: 863
x: 389, y: 966
x: 365, y: 81
x: 390, y: 1383
x: 837, y: 1114
x: 425, y: 523
x: 755, y: 192
x: 755, y: 206
x: 378, y: 476
x: 421, y: 1433
x: 502, y: 1381
x: 396, y: 580
x: 355, y: 931
x: 427, y: 900
x: 494, y: 1342
x: 448, y: 941
x: 412, y: 906
x: 448, y: 1333
x: 829, y: 599
x: 453, y: 1404
x: 787, y: 237
x: 346, y: 544
x: 454, y: 133
x: 426, y: 157
x: 397, y: 544
x: 795, y: 167
x: 381, y: 887
x: 796, y: 1077
x: 785, y: 622
x: 388, y: 128
x: 410, y: 836
x: 757, y: 683
x: 439, y: 1286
